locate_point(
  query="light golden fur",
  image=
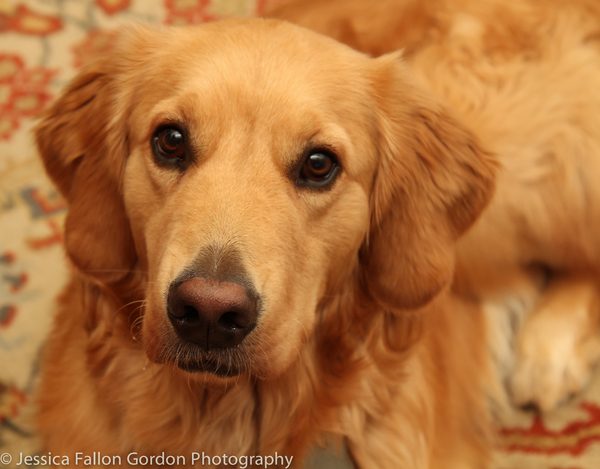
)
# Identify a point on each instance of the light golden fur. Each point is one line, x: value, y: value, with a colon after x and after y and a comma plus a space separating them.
x: 340, y: 353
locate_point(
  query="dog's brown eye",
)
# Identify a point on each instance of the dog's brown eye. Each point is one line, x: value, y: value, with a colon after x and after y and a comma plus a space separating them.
x: 169, y: 143
x: 318, y: 168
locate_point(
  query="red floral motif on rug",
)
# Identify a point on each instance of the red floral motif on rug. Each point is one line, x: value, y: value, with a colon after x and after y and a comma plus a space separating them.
x: 11, y: 400
x: 182, y: 12
x: 573, y: 439
x: 23, y: 92
x: 111, y: 7
x: 24, y: 20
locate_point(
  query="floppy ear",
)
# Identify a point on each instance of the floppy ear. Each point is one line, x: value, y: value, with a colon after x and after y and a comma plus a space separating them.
x: 82, y: 139
x: 432, y: 182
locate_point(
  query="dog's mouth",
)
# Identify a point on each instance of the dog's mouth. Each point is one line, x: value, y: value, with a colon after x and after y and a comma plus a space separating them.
x: 214, y: 367
x: 223, y: 363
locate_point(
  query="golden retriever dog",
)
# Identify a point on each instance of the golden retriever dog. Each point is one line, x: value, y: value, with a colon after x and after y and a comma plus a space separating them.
x: 263, y: 225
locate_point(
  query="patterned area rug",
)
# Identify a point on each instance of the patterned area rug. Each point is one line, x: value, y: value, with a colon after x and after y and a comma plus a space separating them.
x: 42, y: 44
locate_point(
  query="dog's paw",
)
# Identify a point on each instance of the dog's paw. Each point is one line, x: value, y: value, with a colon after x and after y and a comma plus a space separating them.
x: 557, y: 347
x: 549, y: 370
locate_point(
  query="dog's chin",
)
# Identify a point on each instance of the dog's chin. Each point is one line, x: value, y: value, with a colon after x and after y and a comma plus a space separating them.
x: 211, y: 367
x: 215, y: 365
x: 205, y: 364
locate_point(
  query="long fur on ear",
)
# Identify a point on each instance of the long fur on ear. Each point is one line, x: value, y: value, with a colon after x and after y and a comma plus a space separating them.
x: 433, y: 181
x: 83, y: 143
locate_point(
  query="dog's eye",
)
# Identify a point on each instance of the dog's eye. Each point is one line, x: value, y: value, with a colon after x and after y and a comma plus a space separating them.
x: 319, y: 169
x: 169, y: 144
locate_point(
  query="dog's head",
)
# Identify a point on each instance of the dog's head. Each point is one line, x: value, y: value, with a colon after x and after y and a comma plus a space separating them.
x: 251, y: 169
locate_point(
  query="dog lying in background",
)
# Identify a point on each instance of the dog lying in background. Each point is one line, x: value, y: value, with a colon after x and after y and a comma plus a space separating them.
x: 263, y: 224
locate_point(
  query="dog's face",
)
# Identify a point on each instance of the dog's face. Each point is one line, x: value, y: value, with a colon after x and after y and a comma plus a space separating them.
x: 235, y: 180
x: 252, y: 169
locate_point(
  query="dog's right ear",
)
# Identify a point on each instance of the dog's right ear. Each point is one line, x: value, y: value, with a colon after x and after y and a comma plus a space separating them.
x: 83, y: 141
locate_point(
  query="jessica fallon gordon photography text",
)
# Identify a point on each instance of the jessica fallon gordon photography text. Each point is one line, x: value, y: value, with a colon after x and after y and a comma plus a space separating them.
x: 162, y: 459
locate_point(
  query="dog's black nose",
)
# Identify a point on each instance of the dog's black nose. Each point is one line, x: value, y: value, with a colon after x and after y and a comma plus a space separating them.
x: 212, y: 314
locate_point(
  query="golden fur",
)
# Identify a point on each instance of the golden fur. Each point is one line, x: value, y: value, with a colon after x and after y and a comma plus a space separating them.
x: 522, y: 76
x: 360, y: 339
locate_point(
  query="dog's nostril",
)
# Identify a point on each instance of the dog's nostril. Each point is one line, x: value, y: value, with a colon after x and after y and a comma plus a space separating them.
x: 190, y: 314
x: 231, y: 320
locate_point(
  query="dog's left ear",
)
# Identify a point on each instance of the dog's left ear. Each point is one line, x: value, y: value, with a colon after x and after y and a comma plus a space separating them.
x: 433, y: 180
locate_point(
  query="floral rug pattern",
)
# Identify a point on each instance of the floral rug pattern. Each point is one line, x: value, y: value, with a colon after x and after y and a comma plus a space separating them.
x: 42, y: 44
